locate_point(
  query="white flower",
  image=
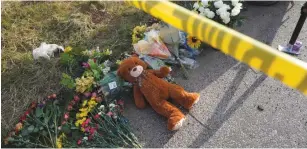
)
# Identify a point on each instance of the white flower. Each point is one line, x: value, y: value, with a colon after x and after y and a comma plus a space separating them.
x: 106, y: 70
x: 239, y: 5
x: 111, y: 105
x: 196, y: 5
x: 218, y: 4
x: 101, y: 107
x: 235, y: 11
x: 201, y: 9
x: 234, y: 2
x: 100, y: 113
x: 204, y: 3
x: 85, y: 138
x: 210, y: 14
x: 203, y: 14
x: 226, y: 20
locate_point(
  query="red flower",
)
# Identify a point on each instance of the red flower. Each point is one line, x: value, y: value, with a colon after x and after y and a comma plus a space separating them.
x: 85, y: 123
x: 92, y: 130
x: 27, y: 112
x: 76, y: 98
x: 66, y: 115
x: 69, y: 107
x: 23, y: 118
x: 33, y: 104
x: 94, y: 60
x: 53, y: 95
x: 120, y: 102
x: 79, y: 142
x: 72, y: 102
x: 96, y: 116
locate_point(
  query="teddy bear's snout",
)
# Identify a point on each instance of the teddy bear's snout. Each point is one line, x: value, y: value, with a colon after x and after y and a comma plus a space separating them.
x: 136, y: 71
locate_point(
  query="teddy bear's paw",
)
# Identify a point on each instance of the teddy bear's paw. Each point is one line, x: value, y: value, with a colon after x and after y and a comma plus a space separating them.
x: 179, y: 124
x: 196, y: 96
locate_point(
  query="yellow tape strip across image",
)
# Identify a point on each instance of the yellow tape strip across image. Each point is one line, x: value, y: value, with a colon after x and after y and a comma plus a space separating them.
x: 287, y: 69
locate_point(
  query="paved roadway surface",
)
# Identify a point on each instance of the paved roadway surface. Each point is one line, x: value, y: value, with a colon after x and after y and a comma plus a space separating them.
x: 239, y: 107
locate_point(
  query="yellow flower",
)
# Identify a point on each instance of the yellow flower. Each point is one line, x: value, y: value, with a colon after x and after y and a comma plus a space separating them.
x: 82, y: 129
x: 67, y: 49
x: 59, y: 140
x: 58, y: 144
x: 193, y: 42
x: 83, y: 104
x: 138, y: 33
x: 84, y: 114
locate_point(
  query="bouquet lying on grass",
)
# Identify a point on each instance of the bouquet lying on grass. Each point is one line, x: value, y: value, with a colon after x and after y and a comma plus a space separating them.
x: 87, y: 113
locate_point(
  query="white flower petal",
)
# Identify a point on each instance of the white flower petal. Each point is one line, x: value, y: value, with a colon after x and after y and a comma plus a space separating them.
x: 204, y: 3
x: 218, y: 4
x: 196, y: 5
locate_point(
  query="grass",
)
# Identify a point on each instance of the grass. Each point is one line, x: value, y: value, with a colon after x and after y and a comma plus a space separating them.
x: 26, y: 24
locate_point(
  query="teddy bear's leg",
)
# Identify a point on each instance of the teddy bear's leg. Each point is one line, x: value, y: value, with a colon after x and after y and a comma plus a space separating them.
x: 184, y: 98
x: 174, y: 115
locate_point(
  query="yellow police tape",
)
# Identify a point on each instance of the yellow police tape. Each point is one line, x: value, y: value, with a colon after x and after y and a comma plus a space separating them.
x: 289, y: 70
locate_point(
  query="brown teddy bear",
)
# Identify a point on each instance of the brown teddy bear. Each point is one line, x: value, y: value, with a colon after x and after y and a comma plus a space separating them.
x: 147, y: 83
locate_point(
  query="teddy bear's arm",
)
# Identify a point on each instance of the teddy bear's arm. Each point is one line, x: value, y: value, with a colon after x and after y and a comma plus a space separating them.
x: 138, y: 97
x: 162, y: 73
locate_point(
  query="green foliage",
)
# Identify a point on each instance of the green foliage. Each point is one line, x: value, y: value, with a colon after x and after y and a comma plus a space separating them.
x: 67, y: 81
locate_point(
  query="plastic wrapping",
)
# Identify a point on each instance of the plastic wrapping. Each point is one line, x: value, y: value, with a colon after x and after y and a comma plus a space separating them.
x: 153, y: 62
x: 152, y: 46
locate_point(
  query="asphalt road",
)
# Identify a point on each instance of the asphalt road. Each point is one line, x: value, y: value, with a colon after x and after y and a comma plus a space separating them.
x: 239, y: 107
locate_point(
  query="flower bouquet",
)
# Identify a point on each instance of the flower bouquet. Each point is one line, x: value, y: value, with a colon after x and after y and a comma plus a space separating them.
x: 81, y: 115
x: 224, y: 12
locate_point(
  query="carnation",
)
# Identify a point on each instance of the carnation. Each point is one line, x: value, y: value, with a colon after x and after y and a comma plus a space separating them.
x: 218, y: 4
x: 196, y: 5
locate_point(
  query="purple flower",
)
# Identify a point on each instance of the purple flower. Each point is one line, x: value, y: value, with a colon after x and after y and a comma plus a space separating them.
x: 85, y: 65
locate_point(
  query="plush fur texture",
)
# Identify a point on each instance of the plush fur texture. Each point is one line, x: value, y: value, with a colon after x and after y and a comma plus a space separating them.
x: 148, y: 86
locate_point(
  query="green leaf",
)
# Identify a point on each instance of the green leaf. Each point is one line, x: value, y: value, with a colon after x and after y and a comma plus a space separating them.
x: 44, y: 133
x: 31, y: 128
x: 96, y: 74
x: 65, y: 129
x: 67, y: 81
x: 92, y: 64
x: 24, y: 132
x: 35, y: 129
x: 66, y: 59
x: 39, y: 112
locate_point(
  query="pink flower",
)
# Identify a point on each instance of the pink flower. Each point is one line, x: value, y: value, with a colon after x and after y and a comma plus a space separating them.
x: 87, y: 94
x: 85, y: 65
x: 66, y: 115
x: 85, y: 123
x: 79, y: 142
x: 69, y: 107
x: 96, y: 116
x: 87, y: 129
x: 92, y: 130
x: 110, y: 113
x: 94, y: 94
x: 76, y: 98
x: 120, y: 102
x: 63, y: 122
